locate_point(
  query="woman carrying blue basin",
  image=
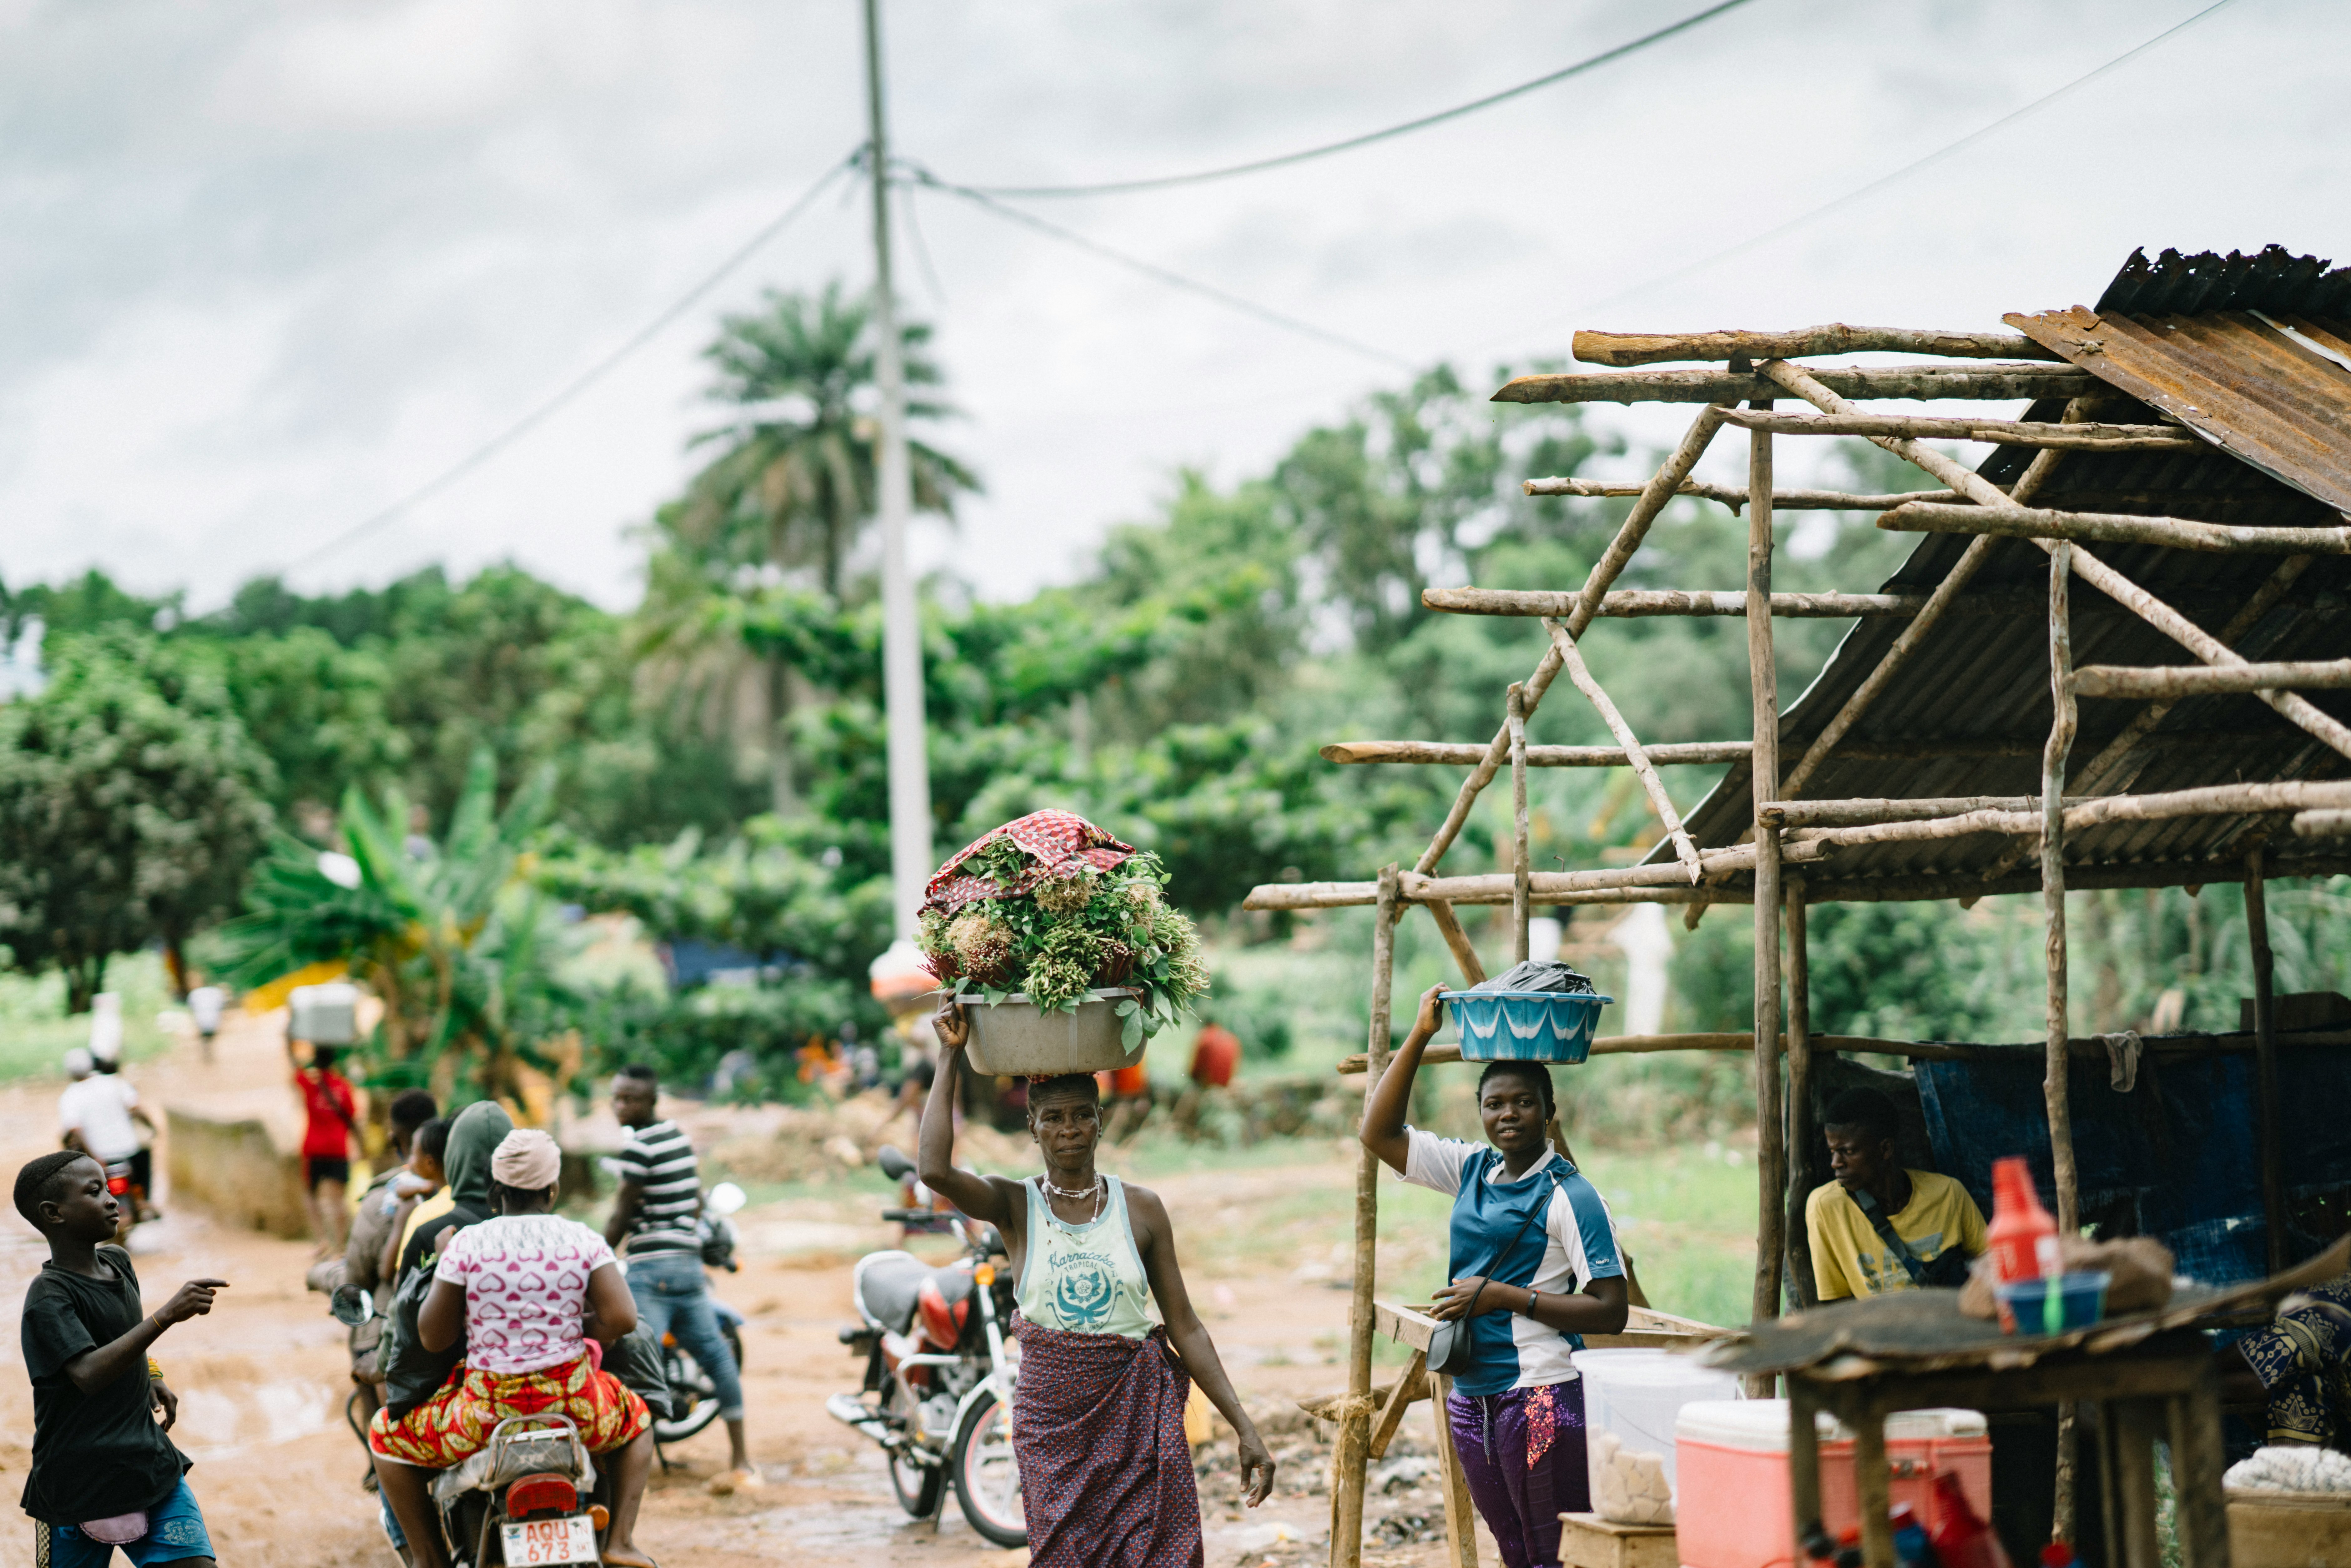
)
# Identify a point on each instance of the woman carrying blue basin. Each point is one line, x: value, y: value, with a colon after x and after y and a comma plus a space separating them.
x: 1534, y: 1267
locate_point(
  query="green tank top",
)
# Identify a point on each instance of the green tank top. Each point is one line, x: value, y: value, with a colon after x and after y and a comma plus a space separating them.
x: 1084, y: 1279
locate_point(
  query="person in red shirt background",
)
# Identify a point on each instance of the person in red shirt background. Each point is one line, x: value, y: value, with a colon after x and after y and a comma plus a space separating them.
x: 1215, y: 1053
x: 329, y: 1117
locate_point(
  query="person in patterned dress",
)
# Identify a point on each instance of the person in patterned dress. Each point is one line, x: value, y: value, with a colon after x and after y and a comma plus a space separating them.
x: 2298, y: 1365
x: 1098, y: 1418
x: 1534, y: 1267
x: 521, y: 1289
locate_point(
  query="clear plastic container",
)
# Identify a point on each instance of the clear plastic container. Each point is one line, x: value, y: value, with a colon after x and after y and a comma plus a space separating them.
x: 1631, y: 1398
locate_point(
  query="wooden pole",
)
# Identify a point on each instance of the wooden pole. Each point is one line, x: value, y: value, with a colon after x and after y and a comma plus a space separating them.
x: 1763, y: 688
x: 1802, y: 1288
x: 2113, y: 528
x: 1448, y: 925
x: 2092, y: 570
x: 1629, y: 535
x: 2177, y: 681
x: 1348, y: 1459
x: 2083, y: 437
x: 1520, y: 850
x: 1634, y: 757
x: 2053, y: 899
x: 1988, y: 383
x: 1622, y: 349
x: 2265, y: 1064
x: 1460, y: 1511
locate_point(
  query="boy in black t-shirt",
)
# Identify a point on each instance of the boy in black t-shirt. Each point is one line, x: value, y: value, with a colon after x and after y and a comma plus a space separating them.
x: 104, y: 1476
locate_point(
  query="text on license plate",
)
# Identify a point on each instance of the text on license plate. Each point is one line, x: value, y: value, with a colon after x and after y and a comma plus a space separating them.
x: 571, y: 1540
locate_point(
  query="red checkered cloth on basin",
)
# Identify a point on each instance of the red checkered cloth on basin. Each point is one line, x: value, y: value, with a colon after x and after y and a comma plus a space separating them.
x: 1057, y: 843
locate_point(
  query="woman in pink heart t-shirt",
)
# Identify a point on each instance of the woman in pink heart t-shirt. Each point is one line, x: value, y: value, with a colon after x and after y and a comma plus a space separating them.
x: 523, y: 1287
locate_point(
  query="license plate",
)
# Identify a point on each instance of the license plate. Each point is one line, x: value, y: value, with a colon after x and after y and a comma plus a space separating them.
x: 571, y: 1540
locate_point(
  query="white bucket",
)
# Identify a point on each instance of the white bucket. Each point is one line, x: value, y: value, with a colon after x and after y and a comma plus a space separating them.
x: 1014, y: 1039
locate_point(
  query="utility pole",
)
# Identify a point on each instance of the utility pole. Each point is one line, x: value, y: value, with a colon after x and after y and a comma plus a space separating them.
x: 901, y: 632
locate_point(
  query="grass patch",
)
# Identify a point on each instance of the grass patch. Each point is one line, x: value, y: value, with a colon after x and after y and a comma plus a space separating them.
x: 36, y: 1034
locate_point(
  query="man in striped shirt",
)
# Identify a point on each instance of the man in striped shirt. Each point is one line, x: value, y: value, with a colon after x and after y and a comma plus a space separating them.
x: 656, y: 1215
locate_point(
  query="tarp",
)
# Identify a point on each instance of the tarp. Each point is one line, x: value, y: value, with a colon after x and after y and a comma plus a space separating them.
x: 2173, y: 1159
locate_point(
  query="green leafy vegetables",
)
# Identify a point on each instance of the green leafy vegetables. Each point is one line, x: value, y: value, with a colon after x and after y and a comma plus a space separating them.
x: 1069, y: 935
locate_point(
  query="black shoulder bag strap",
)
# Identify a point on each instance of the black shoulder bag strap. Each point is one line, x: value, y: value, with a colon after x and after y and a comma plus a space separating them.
x: 1448, y: 1346
x: 1946, y: 1271
x: 1894, y: 1245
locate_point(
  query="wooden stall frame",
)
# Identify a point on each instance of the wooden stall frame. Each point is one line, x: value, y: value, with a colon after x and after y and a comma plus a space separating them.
x: 1787, y: 859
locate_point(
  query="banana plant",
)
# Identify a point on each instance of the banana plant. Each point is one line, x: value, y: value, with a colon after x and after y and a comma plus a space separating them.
x: 455, y: 937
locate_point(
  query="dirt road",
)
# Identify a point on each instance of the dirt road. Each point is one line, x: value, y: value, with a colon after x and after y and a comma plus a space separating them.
x: 262, y: 1381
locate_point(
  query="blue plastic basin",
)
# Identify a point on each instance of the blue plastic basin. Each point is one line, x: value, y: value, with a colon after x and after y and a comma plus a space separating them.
x: 2055, y: 1304
x: 1526, y: 1026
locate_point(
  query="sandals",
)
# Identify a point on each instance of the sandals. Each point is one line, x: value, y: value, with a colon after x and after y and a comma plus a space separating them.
x: 626, y: 1558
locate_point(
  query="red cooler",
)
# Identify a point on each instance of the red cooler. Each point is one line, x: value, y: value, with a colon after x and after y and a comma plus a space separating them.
x: 1731, y: 1461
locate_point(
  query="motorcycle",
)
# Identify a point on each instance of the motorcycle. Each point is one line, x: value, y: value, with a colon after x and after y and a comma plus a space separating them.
x: 694, y: 1394
x: 122, y: 1181
x: 938, y: 1387
x: 531, y: 1495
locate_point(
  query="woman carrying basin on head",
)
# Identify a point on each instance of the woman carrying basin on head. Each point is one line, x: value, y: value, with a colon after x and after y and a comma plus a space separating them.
x: 1533, y: 1267
x: 1097, y: 1426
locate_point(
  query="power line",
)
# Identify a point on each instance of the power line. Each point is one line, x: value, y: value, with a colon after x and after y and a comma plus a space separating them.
x: 1972, y: 136
x: 1117, y: 187
x: 1151, y: 269
x: 586, y: 379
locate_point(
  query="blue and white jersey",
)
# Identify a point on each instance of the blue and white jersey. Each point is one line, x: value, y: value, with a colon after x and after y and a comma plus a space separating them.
x: 1559, y: 1254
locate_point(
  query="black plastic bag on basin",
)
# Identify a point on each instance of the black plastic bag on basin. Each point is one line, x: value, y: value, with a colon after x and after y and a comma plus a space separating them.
x: 1532, y: 975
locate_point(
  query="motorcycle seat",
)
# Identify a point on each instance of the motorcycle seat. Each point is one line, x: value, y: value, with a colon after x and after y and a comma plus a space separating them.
x: 885, y: 1285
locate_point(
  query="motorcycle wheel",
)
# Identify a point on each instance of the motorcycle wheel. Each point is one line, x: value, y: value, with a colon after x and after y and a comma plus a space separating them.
x: 987, y: 1474
x: 689, y: 1383
x: 687, y: 1380
x: 917, y: 1486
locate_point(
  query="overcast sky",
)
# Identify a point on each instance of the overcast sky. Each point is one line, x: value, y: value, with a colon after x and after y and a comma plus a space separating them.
x: 264, y: 269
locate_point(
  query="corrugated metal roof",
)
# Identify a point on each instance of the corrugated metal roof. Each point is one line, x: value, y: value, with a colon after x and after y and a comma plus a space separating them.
x: 2272, y: 389
x: 1986, y: 678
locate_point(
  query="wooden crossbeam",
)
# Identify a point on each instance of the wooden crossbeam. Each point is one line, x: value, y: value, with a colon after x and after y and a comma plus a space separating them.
x: 1691, y: 753
x: 1623, y: 349
x: 2077, y: 437
x: 2205, y: 680
x: 2113, y: 528
x: 1987, y: 383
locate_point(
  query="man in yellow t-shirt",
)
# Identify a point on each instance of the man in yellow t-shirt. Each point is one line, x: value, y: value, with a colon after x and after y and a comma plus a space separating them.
x: 1931, y: 1214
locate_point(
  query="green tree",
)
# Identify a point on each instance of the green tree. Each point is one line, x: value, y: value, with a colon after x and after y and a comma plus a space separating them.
x: 131, y: 801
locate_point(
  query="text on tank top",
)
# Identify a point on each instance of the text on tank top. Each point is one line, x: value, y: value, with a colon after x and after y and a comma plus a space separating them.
x: 1084, y: 1279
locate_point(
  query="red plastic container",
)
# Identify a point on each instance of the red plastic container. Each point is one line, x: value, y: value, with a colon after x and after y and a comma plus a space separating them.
x: 2022, y: 1236
x: 1732, y: 1460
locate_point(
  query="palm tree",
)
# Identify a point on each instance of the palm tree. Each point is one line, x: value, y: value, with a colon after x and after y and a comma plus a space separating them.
x: 788, y: 497
x: 794, y: 485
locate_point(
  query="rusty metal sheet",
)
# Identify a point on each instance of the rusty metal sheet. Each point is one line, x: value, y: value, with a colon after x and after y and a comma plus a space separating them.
x: 2246, y: 385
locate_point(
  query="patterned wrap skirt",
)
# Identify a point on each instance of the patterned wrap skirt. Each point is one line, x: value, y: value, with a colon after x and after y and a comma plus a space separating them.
x: 1105, y: 1474
x: 455, y: 1424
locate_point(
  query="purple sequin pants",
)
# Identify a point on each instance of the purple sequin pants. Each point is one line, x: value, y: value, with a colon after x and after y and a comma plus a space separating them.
x: 1522, y: 1454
